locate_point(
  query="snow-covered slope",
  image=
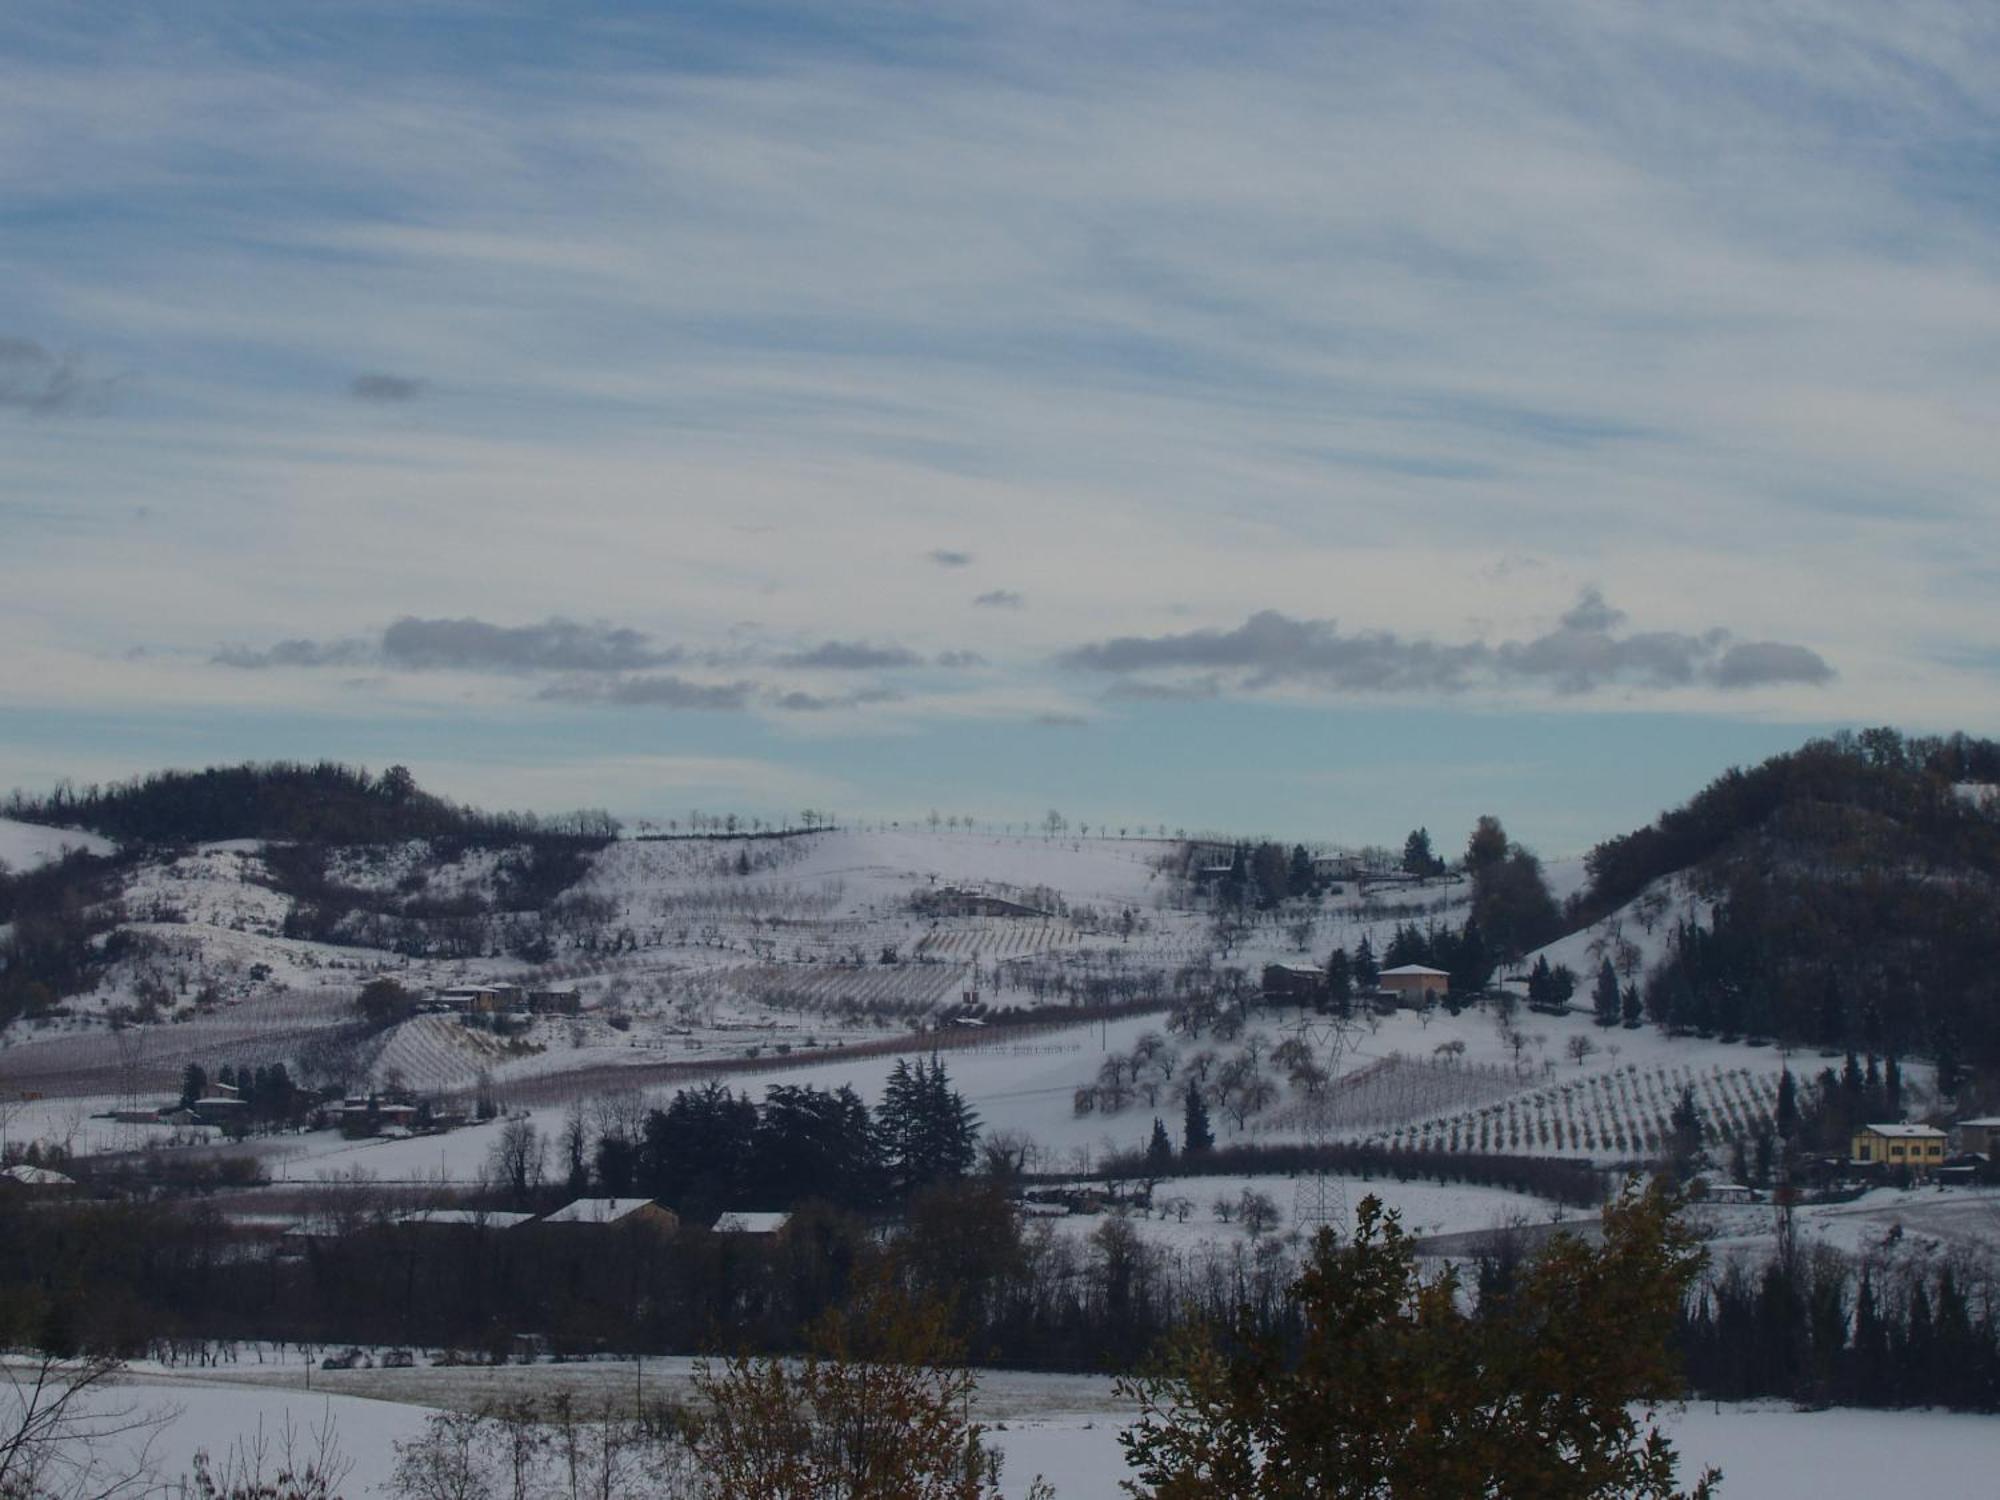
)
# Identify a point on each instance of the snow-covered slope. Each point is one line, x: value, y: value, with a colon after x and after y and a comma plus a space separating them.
x: 24, y: 846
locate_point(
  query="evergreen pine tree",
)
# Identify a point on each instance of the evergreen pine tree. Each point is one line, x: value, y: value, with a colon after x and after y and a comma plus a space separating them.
x: 1605, y: 999
x: 1339, y: 983
x: 1197, y: 1134
x: 1159, y: 1149
x: 1868, y: 1360
x: 1634, y: 1012
x: 1788, y: 1105
x: 1367, y: 972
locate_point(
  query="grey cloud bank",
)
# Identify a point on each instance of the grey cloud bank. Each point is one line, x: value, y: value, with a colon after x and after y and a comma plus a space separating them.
x: 385, y: 388
x: 36, y: 379
x: 852, y: 656
x: 661, y: 690
x: 1584, y: 653
x: 470, y: 645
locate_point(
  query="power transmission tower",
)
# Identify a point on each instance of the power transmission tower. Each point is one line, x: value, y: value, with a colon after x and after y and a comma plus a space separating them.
x: 1319, y: 1196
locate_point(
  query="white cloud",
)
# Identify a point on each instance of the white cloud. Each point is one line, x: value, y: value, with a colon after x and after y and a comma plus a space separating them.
x: 1320, y: 317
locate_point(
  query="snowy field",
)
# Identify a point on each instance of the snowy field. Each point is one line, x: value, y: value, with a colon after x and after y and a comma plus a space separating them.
x: 24, y: 846
x: 1066, y: 1428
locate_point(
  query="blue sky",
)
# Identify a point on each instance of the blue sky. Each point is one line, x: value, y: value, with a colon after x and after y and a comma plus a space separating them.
x: 1309, y: 419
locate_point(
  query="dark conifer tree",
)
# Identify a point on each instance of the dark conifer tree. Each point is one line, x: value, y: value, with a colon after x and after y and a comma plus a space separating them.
x: 1605, y: 998
x: 1197, y: 1134
x: 1367, y: 971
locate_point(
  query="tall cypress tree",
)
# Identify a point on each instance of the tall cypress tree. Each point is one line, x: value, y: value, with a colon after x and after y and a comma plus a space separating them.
x: 1604, y: 997
x: 1197, y: 1134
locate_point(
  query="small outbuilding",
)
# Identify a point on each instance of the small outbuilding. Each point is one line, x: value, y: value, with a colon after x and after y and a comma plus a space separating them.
x: 1980, y: 1136
x: 603, y: 1212
x: 1299, y: 984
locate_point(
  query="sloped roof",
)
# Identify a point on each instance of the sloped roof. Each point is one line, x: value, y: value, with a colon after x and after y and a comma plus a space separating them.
x: 37, y: 1177
x: 1416, y: 969
x: 597, y: 1210
x: 1906, y: 1132
x: 469, y: 1216
x: 751, y: 1223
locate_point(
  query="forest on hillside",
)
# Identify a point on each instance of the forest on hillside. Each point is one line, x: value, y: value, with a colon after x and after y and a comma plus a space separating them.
x: 324, y: 802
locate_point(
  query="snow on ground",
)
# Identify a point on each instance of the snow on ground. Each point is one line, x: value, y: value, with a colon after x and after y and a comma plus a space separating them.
x: 1066, y: 1427
x: 1636, y: 937
x: 1304, y: 1203
x: 1920, y: 1225
x: 24, y: 846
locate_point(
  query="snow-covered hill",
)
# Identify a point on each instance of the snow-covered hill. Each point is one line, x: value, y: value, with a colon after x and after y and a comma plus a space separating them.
x: 25, y: 846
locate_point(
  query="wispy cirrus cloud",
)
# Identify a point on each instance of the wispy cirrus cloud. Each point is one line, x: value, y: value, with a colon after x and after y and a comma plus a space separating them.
x: 1588, y: 650
x: 1000, y: 599
x: 652, y: 690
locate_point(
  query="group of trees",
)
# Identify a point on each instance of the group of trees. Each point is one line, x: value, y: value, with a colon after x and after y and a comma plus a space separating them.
x: 1815, y: 1330
x: 268, y: 1093
x: 1350, y: 1374
x: 1388, y: 1382
x: 711, y: 1150
x: 1462, y: 953
x: 322, y: 802
x: 1846, y: 880
x: 58, y: 931
x: 1266, y: 875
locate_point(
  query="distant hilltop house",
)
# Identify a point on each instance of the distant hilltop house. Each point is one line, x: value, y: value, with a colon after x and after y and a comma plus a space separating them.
x: 499, y: 999
x: 602, y: 1213
x: 1414, y: 984
x: 361, y: 1115
x: 1917, y: 1147
x: 956, y: 901
x: 1299, y: 983
x: 480, y: 999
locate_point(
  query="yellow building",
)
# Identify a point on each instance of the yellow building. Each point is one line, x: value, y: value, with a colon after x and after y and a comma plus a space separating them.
x: 1918, y: 1147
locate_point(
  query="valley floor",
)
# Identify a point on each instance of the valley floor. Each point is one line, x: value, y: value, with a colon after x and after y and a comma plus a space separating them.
x: 1063, y: 1427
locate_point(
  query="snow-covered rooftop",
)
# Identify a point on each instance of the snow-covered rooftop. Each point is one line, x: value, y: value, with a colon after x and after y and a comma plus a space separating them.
x: 751, y: 1223
x: 597, y: 1210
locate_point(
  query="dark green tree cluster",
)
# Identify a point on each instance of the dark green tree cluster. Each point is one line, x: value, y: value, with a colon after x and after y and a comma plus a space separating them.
x: 1418, y: 857
x: 1845, y: 880
x: 269, y: 1095
x: 1814, y: 1331
x: 1550, y: 986
x: 711, y: 1150
x: 1393, y: 1385
x: 321, y: 802
x: 58, y: 931
x: 1266, y: 875
x: 1510, y: 895
x: 1463, y: 954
